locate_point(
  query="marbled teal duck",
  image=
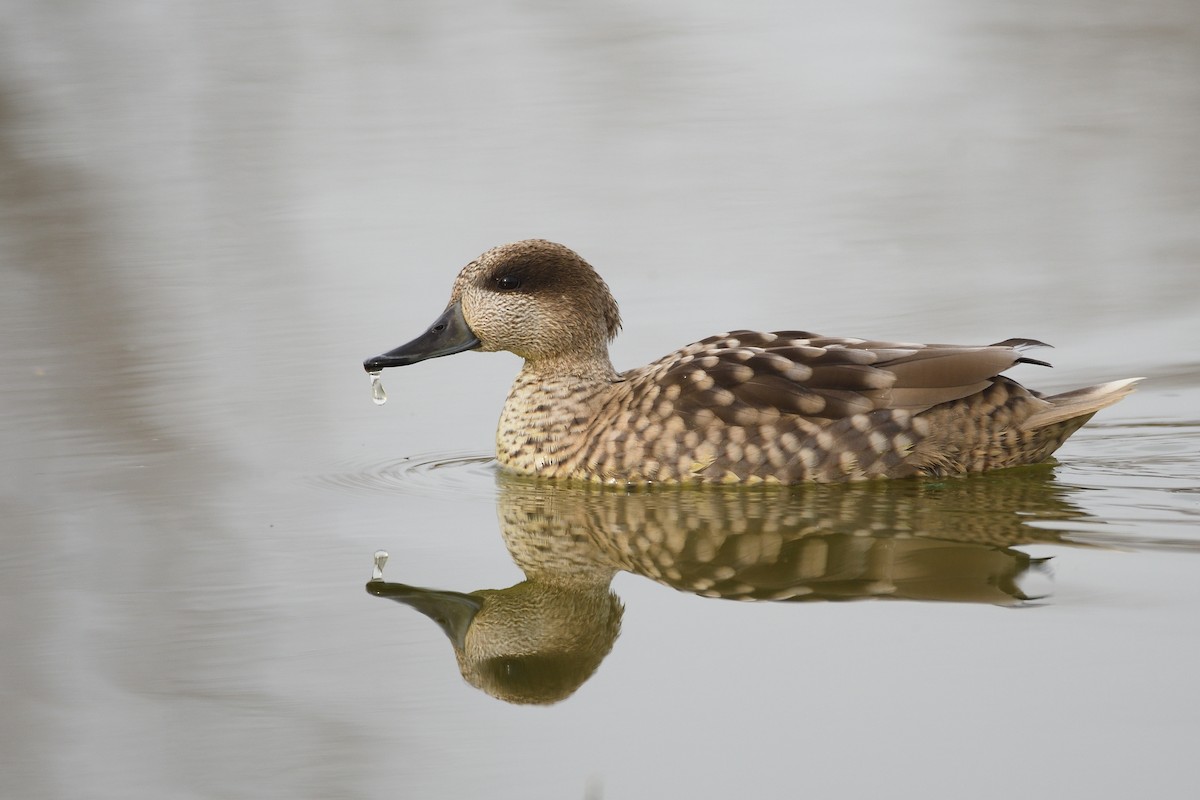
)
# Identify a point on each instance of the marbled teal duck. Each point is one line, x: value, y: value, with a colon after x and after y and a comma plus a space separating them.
x: 740, y: 407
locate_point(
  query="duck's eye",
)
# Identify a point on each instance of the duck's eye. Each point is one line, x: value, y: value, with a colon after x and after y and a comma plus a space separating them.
x: 508, y: 283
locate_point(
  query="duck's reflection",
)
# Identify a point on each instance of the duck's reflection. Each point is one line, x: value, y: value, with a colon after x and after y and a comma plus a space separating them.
x: 538, y: 641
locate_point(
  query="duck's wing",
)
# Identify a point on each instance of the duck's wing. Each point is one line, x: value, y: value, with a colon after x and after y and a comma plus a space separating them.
x: 748, y: 375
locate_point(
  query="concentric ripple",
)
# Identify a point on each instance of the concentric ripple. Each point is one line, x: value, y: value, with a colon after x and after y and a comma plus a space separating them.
x: 424, y: 474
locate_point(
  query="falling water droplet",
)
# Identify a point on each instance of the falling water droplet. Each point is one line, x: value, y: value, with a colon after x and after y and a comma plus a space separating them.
x: 381, y: 558
x: 377, y: 392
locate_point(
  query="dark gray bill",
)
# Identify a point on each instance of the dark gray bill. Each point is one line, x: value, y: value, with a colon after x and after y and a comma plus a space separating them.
x: 448, y: 334
x: 453, y: 611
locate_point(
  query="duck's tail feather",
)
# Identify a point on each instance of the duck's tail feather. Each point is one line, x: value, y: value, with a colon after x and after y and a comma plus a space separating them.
x: 1080, y: 402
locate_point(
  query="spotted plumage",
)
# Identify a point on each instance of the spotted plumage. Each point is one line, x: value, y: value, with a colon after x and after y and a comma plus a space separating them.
x: 740, y: 407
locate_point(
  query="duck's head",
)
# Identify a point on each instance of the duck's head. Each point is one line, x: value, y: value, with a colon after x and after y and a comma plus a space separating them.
x: 534, y: 298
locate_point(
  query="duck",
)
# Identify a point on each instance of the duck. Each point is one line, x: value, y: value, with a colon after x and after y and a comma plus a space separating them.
x: 741, y: 407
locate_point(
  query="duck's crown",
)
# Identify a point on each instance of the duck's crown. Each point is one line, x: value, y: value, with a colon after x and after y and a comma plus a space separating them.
x: 537, y: 299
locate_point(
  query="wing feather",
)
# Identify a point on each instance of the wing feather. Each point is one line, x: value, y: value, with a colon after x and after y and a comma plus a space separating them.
x: 741, y: 375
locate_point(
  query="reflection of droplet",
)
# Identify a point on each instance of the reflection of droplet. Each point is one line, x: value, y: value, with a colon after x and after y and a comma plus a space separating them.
x: 381, y: 558
x: 1036, y: 582
x: 377, y: 392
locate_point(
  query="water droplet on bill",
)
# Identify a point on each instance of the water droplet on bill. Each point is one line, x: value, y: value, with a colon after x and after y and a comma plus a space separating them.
x: 381, y: 558
x: 377, y: 392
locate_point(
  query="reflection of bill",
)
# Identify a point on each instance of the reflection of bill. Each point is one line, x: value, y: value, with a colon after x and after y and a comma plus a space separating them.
x: 538, y: 641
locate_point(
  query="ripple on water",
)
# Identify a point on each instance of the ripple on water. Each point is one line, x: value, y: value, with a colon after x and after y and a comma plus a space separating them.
x: 1165, y: 451
x: 425, y: 474
x: 1148, y: 472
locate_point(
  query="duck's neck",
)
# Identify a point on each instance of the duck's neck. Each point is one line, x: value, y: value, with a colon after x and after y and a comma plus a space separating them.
x: 550, y: 406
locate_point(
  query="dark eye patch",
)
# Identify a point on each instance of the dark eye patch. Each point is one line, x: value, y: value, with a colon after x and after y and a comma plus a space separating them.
x: 526, y: 275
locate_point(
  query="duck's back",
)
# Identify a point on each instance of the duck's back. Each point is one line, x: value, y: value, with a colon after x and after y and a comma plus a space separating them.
x: 791, y: 406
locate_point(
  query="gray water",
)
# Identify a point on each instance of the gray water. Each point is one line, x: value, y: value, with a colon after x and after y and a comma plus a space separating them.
x: 212, y: 212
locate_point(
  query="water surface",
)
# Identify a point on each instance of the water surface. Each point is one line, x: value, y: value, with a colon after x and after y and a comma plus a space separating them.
x: 212, y: 212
